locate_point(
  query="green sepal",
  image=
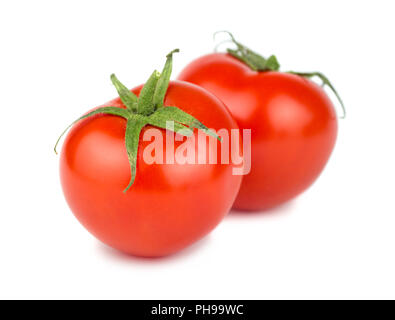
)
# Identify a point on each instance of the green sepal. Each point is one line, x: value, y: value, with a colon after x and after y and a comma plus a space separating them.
x: 145, y: 104
x: 115, y: 111
x: 163, y: 81
x: 158, y: 120
x: 132, y: 138
x: 177, y: 115
x: 254, y: 60
x: 325, y: 82
x: 128, y: 98
x: 272, y: 63
x: 243, y: 58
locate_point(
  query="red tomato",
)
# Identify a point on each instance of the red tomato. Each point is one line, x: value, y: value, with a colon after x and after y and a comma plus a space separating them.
x: 293, y: 126
x: 169, y: 206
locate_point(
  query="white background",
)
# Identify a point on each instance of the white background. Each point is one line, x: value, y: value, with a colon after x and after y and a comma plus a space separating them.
x: 334, y: 241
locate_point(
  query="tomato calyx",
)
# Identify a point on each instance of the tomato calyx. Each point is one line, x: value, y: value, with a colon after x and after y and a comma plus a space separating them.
x: 254, y: 60
x: 260, y: 64
x: 147, y: 109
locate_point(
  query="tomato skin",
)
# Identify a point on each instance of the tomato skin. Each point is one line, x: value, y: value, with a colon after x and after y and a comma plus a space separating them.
x: 169, y: 206
x: 293, y: 126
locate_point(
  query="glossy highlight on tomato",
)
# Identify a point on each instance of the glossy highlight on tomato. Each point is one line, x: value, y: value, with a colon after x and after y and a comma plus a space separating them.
x: 169, y: 206
x: 292, y: 120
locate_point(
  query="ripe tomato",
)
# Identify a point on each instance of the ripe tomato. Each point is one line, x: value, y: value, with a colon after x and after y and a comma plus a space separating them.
x: 293, y: 125
x: 169, y: 206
